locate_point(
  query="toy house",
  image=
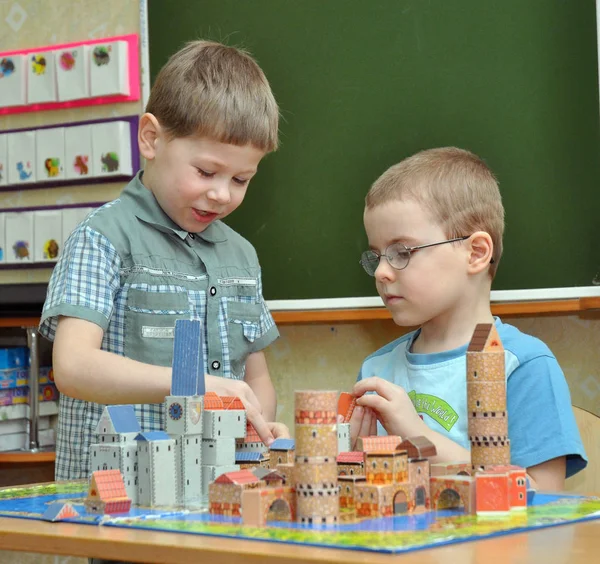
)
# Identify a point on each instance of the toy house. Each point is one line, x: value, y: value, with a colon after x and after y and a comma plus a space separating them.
x: 282, y: 452
x: 225, y: 493
x: 248, y: 460
x: 106, y: 493
x: 343, y: 433
x: 272, y: 478
x: 250, y: 441
x: 156, y: 464
x: 116, y: 448
x: 58, y: 511
x: 450, y: 469
x: 286, y: 471
x: 379, y: 444
x: 486, y: 398
x: 501, y: 489
x: 347, y: 490
x: 351, y: 463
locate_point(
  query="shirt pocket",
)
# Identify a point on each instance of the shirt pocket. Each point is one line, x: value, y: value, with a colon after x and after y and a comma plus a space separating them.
x: 242, y: 330
x: 150, y: 324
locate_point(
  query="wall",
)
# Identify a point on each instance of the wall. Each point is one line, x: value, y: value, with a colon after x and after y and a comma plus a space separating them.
x: 329, y: 356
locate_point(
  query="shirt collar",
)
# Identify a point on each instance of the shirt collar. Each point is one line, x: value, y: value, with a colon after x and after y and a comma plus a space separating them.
x: 145, y: 207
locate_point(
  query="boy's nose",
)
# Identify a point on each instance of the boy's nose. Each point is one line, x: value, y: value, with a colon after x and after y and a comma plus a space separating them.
x: 220, y: 193
x: 384, y: 271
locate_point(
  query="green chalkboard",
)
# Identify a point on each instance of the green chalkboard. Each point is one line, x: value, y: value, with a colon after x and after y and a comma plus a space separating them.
x: 365, y: 83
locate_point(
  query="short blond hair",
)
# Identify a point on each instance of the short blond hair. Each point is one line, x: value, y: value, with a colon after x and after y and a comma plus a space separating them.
x: 455, y: 186
x: 216, y: 91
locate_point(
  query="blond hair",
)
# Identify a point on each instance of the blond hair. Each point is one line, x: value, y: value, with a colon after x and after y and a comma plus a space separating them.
x: 212, y: 90
x: 455, y: 186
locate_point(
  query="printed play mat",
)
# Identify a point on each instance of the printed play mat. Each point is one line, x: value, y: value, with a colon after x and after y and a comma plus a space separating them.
x: 395, y: 534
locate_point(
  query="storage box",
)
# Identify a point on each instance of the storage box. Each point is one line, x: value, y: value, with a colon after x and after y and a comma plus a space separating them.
x: 14, y: 357
x: 21, y: 411
x: 12, y: 396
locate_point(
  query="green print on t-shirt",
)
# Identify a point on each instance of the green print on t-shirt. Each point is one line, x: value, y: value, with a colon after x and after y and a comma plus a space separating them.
x: 436, y: 408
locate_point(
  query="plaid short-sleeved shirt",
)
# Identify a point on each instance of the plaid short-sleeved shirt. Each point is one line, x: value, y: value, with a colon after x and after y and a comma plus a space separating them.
x: 132, y: 271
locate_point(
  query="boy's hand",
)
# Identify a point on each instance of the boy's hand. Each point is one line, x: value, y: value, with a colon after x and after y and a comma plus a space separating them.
x: 391, y: 405
x: 228, y: 387
x: 363, y: 423
x: 279, y: 430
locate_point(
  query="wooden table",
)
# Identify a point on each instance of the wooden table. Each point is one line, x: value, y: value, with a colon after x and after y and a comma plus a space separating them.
x: 567, y: 544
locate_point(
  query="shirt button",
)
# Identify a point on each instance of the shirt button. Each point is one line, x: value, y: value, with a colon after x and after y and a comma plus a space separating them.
x: 191, y: 236
x: 216, y: 364
x: 213, y: 291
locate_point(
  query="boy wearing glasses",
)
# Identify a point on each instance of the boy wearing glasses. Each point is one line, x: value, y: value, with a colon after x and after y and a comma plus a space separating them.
x: 435, y: 223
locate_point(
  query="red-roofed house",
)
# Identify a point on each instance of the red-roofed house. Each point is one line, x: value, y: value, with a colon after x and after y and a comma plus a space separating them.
x: 386, y: 443
x: 212, y: 401
x: 106, y: 493
x: 225, y: 493
x: 351, y: 463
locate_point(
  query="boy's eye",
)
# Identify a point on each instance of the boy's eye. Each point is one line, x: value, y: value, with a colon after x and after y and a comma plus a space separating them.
x: 205, y: 173
x: 240, y: 181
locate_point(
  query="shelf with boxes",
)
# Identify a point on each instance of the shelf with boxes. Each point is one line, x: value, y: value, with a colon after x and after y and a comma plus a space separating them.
x: 34, y: 237
x: 85, y: 152
x: 16, y: 410
x: 84, y: 73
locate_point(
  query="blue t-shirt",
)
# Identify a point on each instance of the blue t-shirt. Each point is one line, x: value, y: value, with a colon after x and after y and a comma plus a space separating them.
x: 541, y: 423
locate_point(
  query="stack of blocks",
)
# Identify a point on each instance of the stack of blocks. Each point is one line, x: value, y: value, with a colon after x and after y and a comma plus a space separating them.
x: 486, y: 399
x: 224, y: 423
x: 315, y: 472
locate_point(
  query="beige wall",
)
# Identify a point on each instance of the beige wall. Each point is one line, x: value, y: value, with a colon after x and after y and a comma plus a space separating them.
x: 324, y: 356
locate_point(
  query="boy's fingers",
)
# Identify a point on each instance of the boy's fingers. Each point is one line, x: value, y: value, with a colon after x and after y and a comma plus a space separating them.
x: 373, y: 401
x: 374, y: 384
x: 279, y: 431
x: 365, y: 424
x: 261, y: 426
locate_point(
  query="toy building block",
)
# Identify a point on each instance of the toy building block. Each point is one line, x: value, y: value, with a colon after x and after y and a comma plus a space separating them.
x: 272, y: 478
x: 184, y: 415
x: 343, y: 432
x: 492, y: 493
x: 267, y: 504
x: 225, y: 493
x: 315, y: 472
x: 218, y: 452
x: 210, y: 473
x: 347, y: 490
x: 188, y: 469
x: 287, y: 473
x: 518, y: 484
x: 157, y: 476
x: 453, y: 492
x: 282, y: 451
x: 188, y: 359
x: 372, y: 500
x: 379, y: 444
x: 351, y: 463
x: 486, y: 399
x: 251, y: 442
x: 106, y: 493
x: 248, y: 460
x: 385, y: 467
x: 59, y: 511
x: 121, y: 456
x: 117, y: 423
x: 221, y: 421
x: 418, y: 478
x: 346, y: 404
x: 450, y: 469
x: 418, y: 447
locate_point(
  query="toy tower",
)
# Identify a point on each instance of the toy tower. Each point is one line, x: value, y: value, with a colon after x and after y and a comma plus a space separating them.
x: 184, y: 410
x: 315, y: 473
x: 486, y: 399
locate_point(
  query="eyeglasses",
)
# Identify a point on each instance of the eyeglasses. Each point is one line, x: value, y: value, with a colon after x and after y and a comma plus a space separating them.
x: 397, y: 254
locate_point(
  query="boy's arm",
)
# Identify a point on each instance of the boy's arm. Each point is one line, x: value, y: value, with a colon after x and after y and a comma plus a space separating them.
x: 549, y: 476
x: 83, y: 371
x: 398, y: 416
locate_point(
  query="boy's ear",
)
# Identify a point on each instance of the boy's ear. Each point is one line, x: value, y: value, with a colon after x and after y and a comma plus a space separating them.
x: 149, y: 131
x: 481, y: 248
